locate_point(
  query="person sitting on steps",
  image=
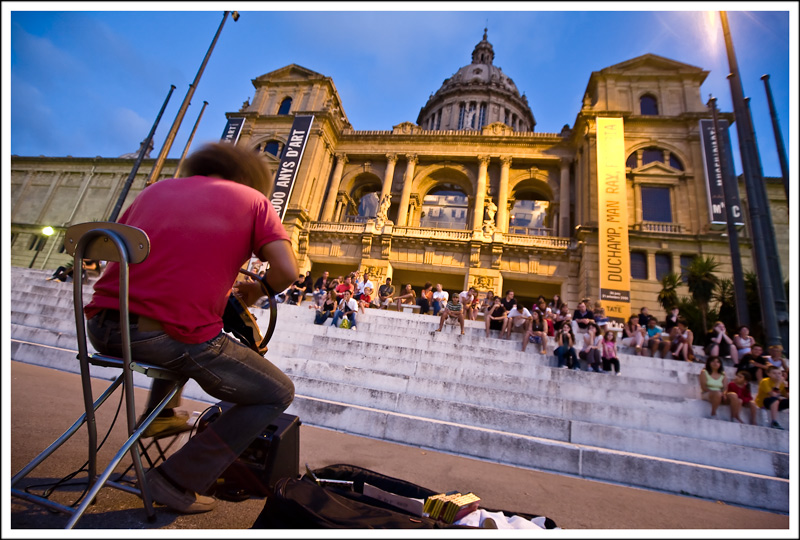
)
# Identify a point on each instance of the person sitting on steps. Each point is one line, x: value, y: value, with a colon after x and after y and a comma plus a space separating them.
x: 739, y: 396
x: 453, y: 310
x: 681, y: 346
x: 407, y: 296
x: 348, y: 307
x: 714, y: 383
x: 565, y: 349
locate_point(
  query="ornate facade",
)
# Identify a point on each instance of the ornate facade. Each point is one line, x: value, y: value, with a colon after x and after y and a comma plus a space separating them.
x: 471, y: 195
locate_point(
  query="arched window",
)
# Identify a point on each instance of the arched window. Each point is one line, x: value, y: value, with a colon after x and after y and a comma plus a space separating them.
x: 528, y: 215
x: 654, y: 154
x: 444, y: 207
x: 651, y: 154
x: 286, y: 104
x: 273, y: 147
x: 365, y: 202
x: 648, y: 105
x: 368, y: 205
x: 674, y: 162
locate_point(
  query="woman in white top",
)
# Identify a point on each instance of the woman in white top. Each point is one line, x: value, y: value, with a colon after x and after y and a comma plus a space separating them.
x: 743, y: 341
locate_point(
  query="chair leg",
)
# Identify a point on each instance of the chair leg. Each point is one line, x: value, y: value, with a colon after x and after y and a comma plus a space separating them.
x: 65, y: 436
x: 131, y: 446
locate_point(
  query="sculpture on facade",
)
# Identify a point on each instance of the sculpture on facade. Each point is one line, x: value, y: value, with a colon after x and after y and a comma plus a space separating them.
x: 489, y: 212
x: 383, y: 211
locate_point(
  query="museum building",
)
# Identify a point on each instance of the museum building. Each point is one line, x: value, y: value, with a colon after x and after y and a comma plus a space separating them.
x: 469, y: 195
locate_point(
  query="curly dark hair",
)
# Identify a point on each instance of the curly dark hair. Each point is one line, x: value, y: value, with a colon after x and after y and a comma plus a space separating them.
x: 230, y: 162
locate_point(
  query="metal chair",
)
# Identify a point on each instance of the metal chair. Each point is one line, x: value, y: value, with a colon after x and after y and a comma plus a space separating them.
x: 107, y: 241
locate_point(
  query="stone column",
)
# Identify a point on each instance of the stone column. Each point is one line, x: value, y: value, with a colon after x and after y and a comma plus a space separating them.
x: 330, y: 201
x: 402, y: 209
x: 480, y: 193
x: 386, y: 188
x: 502, y: 195
x: 563, y: 205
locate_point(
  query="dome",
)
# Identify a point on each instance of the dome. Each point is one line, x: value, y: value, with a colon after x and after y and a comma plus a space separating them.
x: 479, y: 89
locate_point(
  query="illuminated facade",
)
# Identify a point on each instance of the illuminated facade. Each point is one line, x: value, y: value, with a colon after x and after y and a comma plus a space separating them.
x: 474, y: 196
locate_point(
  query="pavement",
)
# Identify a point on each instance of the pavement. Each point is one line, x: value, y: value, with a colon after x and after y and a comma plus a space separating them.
x: 45, y: 401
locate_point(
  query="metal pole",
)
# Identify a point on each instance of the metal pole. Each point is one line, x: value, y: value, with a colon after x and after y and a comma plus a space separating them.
x: 189, y: 142
x: 142, y: 151
x: 162, y: 155
x: 773, y: 259
x: 776, y: 129
x: 729, y: 189
x: 758, y: 213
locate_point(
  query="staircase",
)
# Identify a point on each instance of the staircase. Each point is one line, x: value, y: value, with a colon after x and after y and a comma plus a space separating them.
x: 395, y: 379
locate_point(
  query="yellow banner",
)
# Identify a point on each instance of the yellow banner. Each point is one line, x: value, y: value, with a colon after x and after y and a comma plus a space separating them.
x: 615, y: 261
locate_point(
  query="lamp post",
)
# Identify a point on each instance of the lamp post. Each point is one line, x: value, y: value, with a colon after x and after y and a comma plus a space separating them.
x: 162, y: 155
x: 48, y: 232
x: 189, y: 142
x: 729, y: 190
x: 776, y: 129
x: 142, y: 151
x: 765, y: 252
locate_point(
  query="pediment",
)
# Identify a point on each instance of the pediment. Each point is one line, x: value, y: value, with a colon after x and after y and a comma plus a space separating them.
x: 656, y: 167
x: 651, y: 63
x: 292, y: 72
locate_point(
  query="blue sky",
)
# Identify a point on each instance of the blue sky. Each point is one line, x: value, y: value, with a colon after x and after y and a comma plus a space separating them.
x: 91, y: 82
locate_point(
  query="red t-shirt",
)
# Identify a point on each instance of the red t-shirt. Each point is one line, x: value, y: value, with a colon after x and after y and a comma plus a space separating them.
x: 743, y: 392
x: 342, y: 287
x: 202, y: 230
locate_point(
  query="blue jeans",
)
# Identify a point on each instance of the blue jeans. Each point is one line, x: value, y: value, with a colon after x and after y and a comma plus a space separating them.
x: 338, y: 314
x: 322, y: 316
x: 224, y: 368
x: 437, y: 307
x: 565, y: 351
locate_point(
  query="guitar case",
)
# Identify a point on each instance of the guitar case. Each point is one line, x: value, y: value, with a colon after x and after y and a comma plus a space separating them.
x: 333, y: 498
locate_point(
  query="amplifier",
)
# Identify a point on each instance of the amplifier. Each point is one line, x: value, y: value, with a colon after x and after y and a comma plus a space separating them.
x: 273, y: 455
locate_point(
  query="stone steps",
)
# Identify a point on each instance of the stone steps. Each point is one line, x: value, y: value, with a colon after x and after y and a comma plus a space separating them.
x: 392, y: 379
x: 541, y: 391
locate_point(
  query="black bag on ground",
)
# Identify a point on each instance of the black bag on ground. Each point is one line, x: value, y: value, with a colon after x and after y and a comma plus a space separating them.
x: 303, y: 504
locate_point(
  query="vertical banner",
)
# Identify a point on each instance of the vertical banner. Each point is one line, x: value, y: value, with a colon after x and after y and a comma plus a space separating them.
x: 714, y: 152
x: 232, y: 130
x: 615, y: 263
x: 290, y: 162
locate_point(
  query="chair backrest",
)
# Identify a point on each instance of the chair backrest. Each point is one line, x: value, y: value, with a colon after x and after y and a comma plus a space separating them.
x: 104, y: 241
x: 101, y: 247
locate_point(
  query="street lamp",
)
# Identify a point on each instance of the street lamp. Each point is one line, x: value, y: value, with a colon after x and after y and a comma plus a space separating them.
x: 47, y: 232
x: 162, y: 155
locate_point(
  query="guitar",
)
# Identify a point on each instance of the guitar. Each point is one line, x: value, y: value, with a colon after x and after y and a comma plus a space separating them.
x: 239, y: 321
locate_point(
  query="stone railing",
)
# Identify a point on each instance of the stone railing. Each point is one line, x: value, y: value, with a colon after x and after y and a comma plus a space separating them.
x: 446, y: 132
x: 335, y: 227
x: 658, y: 227
x: 438, y: 234
x: 552, y: 242
x: 462, y: 235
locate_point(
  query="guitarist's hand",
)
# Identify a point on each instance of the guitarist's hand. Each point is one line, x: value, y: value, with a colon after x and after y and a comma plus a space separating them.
x: 248, y: 291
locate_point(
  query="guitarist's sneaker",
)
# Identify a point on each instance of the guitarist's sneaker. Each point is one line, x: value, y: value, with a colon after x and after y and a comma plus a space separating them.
x: 182, y: 501
x: 164, y: 426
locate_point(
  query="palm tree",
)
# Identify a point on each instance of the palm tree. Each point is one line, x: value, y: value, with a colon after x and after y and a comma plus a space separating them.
x: 702, y: 281
x: 726, y: 299
x: 668, y: 296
